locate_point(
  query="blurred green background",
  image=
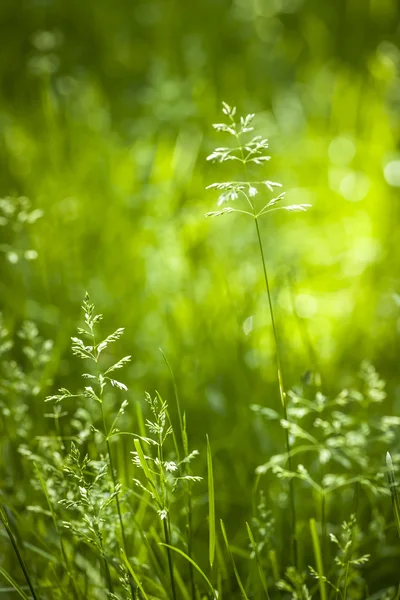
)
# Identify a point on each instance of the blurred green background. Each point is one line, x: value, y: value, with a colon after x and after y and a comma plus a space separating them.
x: 105, y: 124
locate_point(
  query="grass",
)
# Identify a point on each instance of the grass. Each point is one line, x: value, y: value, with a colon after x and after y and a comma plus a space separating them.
x: 115, y: 500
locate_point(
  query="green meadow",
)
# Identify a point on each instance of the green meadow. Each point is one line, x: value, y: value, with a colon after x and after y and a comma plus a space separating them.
x: 199, y: 300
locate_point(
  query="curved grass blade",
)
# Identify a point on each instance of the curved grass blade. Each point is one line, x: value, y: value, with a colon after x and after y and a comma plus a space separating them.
x: 13, y: 583
x: 4, y: 520
x: 133, y: 574
x: 259, y: 566
x: 245, y: 596
x: 196, y: 566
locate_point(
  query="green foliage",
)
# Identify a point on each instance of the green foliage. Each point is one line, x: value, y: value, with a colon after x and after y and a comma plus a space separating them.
x: 263, y: 327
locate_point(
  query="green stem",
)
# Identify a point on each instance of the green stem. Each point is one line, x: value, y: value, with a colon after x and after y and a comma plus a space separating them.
x: 108, y: 575
x: 114, y: 481
x: 67, y: 566
x: 318, y: 559
x: 182, y: 428
x: 277, y: 354
x: 190, y: 543
x: 170, y: 565
x: 282, y: 396
x: 10, y: 534
x: 324, y: 524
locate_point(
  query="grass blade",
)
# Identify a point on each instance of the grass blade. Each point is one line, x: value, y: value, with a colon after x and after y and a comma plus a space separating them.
x: 393, y: 490
x: 258, y: 561
x: 4, y: 520
x: 144, y: 465
x: 13, y: 583
x: 133, y: 575
x: 196, y: 566
x: 245, y: 596
x: 211, y: 505
x: 318, y: 559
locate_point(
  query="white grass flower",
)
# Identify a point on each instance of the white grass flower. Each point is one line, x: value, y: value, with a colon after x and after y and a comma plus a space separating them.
x: 170, y: 466
x: 253, y: 191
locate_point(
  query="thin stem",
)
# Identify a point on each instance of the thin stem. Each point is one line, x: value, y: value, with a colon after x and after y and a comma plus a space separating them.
x: 277, y: 355
x: 62, y: 547
x: 114, y: 481
x: 108, y: 575
x: 324, y: 530
x: 170, y: 565
x: 163, y: 506
x: 318, y: 559
x: 182, y: 427
x: 282, y: 395
x: 17, y: 552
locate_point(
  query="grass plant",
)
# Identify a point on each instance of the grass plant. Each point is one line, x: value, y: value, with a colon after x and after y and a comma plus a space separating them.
x: 113, y: 502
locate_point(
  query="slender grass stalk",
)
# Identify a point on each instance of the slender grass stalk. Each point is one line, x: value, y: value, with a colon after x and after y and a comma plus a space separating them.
x: 255, y: 215
x: 393, y: 491
x: 133, y: 575
x: 107, y: 573
x: 166, y: 521
x: 196, y: 566
x: 106, y: 434
x: 185, y: 446
x: 169, y: 556
x: 274, y: 565
x: 258, y: 561
x: 318, y: 559
x: 13, y: 583
x: 4, y: 520
x: 324, y: 530
x: 64, y: 556
x: 159, y: 572
x: 211, y: 505
x: 282, y: 395
x: 238, y: 579
x: 350, y: 551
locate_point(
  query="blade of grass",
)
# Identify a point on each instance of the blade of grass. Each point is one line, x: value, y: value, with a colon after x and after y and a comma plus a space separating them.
x: 13, y: 583
x: 62, y: 548
x: 245, y: 596
x: 178, y: 404
x: 196, y: 566
x: 133, y: 574
x: 393, y: 490
x: 4, y: 520
x: 211, y: 505
x: 274, y: 565
x: 258, y: 561
x: 318, y: 559
x: 185, y: 445
x: 144, y: 465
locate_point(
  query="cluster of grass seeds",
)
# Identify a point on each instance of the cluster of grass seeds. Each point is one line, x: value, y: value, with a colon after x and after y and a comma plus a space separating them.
x: 104, y: 510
